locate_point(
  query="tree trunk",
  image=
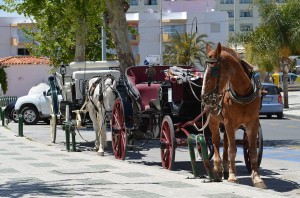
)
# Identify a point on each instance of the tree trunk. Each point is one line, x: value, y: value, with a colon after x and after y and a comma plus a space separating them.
x: 285, y: 66
x: 80, y: 40
x: 116, y: 20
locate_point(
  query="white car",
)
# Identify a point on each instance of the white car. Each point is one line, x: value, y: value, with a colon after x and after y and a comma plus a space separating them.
x: 36, y: 105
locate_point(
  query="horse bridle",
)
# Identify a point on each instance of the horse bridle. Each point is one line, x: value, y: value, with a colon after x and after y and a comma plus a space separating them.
x: 100, y: 99
x: 214, y: 96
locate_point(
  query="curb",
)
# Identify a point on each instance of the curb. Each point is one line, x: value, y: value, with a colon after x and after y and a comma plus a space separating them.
x: 293, y: 116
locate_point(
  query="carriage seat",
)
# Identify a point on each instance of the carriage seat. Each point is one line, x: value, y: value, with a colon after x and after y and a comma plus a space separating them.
x: 138, y: 82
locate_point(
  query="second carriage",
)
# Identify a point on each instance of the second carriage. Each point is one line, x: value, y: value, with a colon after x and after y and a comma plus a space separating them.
x: 72, y: 81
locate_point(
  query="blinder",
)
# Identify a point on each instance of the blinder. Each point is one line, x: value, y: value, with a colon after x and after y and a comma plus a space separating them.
x: 214, y: 70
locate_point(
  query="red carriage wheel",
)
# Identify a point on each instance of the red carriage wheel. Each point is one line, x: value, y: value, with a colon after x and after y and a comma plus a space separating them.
x: 167, y: 143
x: 118, y: 130
x: 259, y: 149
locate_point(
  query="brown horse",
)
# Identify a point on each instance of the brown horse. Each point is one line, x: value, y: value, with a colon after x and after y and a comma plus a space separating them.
x: 234, y: 99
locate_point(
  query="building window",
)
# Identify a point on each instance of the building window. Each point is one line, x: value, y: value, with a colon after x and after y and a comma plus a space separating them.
x: 23, y: 51
x: 133, y: 2
x: 246, y: 27
x: 150, y: 2
x: 230, y: 13
x: 231, y: 28
x: 227, y: 1
x: 171, y: 29
x: 246, y: 13
x: 22, y: 38
x: 215, y: 28
x: 245, y: 1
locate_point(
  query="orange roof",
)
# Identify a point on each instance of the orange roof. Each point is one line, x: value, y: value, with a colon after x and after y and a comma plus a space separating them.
x: 23, y: 60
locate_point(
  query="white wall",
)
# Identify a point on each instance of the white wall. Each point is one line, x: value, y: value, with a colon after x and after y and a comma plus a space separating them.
x: 149, y: 31
x: 21, y: 78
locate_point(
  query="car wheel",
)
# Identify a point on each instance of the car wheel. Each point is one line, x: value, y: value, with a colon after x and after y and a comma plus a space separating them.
x: 269, y: 116
x: 30, y: 115
x: 280, y: 115
x: 14, y: 116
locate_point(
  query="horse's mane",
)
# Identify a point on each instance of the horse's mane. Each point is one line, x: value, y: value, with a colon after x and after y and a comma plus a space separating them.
x: 231, y: 52
x: 248, y: 68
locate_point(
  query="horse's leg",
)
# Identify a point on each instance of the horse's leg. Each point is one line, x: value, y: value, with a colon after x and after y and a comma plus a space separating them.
x: 225, y: 156
x: 100, y: 134
x: 252, y: 132
x: 93, y: 116
x: 214, y: 128
x: 230, y: 132
x: 102, y: 122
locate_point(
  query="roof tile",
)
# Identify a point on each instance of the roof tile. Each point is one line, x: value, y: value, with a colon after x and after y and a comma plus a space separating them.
x: 23, y: 60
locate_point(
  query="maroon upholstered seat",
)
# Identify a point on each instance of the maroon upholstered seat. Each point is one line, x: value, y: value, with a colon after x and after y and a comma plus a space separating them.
x: 147, y: 93
x: 138, y: 79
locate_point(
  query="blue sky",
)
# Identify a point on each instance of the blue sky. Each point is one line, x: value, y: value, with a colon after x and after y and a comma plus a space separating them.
x: 5, y: 14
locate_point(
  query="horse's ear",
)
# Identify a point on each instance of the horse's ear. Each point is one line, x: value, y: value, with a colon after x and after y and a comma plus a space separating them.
x: 208, y: 48
x: 219, y: 49
x: 114, y: 83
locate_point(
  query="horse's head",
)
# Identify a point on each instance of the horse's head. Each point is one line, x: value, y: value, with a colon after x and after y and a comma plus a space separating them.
x: 109, y: 93
x: 216, y: 76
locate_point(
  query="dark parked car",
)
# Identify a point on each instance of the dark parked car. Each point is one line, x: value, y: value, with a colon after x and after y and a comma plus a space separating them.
x: 10, y: 113
x: 272, y: 101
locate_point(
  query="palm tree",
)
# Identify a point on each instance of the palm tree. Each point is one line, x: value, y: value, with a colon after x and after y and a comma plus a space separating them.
x: 185, y: 49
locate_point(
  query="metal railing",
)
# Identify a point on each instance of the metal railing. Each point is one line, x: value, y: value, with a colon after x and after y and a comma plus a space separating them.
x: 6, y: 100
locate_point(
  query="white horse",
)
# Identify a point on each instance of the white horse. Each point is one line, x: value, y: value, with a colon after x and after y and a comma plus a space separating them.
x: 101, y: 98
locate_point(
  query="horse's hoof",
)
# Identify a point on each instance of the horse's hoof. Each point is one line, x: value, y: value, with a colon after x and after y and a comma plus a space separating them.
x: 100, y: 153
x: 233, y: 180
x: 218, y: 176
x: 261, y: 185
x: 226, y: 175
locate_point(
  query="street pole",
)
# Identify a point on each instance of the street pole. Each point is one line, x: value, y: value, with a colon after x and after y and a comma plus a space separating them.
x: 103, y: 43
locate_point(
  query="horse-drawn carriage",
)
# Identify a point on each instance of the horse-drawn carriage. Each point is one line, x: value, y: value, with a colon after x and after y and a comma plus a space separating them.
x: 83, y: 85
x: 164, y: 102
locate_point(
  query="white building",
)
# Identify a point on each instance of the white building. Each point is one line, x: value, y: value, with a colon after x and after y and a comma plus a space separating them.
x: 148, y: 42
x: 12, y: 38
x: 157, y: 20
x: 24, y: 72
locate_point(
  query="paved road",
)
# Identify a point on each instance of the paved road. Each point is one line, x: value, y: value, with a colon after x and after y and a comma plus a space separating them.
x: 31, y: 166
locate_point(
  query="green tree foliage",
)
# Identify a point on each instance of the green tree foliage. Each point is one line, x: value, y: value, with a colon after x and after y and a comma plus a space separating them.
x: 276, y: 39
x: 61, y: 25
x: 185, y: 49
x: 3, y: 80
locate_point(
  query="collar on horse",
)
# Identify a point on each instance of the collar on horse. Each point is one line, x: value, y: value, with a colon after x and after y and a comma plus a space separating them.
x: 244, y: 99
